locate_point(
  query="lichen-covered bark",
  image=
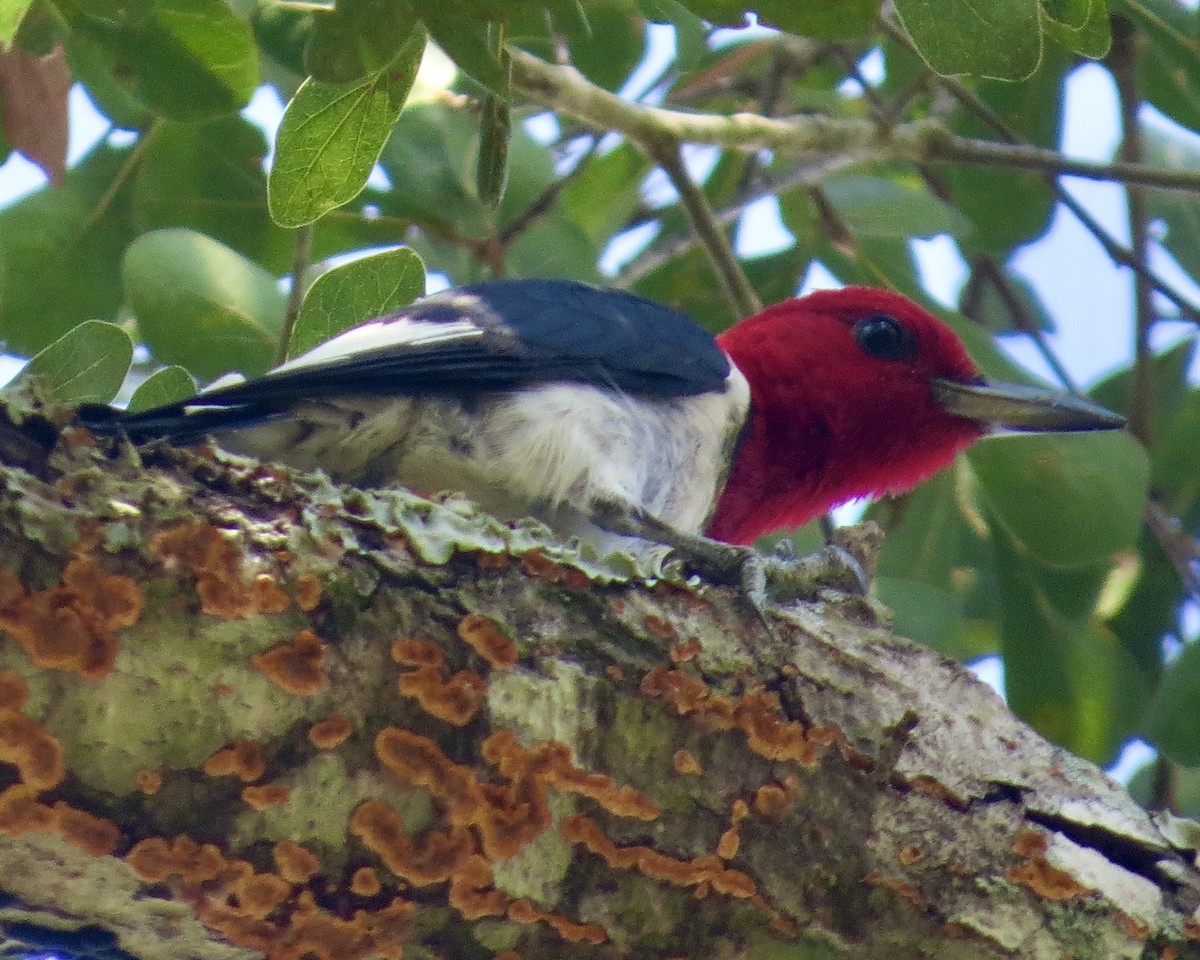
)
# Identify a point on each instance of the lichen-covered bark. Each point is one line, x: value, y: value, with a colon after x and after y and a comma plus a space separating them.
x: 244, y: 713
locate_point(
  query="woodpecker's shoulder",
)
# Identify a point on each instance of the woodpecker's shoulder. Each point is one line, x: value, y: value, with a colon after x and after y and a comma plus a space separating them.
x: 507, y: 333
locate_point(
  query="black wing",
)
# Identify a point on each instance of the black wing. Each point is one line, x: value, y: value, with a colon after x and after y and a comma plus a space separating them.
x: 485, y: 337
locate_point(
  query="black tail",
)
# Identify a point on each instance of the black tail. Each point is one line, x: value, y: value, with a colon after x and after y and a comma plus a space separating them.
x: 183, y: 422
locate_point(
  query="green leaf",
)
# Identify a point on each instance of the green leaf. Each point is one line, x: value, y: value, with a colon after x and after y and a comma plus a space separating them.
x: 465, y: 40
x: 604, y: 192
x: 167, y: 385
x: 1177, y: 211
x: 425, y: 161
x: 1167, y: 377
x: 61, y: 251
x: 1177, y: 460
x: 883, y: 207
x: 12, y: 12
x: 992, y: 310
x: 202, y: 305
x: 331, y: 136
x: 1169, y: 65
x: 85, y: 365
x: 1064, y: 673
x: 1008, y: 208
x: 347, y: 295
x: 185, y: 59
x: 823, y: 19
x: 358, y: 38
x: 208, y: 177
x: 1172, y: 722
x: 1068, y: 500
x: 1001, y: 39
x: 1081, y: 26
x: 1149, y: 611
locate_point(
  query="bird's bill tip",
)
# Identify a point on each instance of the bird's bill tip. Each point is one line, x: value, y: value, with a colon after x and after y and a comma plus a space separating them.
x: 1018, y: 407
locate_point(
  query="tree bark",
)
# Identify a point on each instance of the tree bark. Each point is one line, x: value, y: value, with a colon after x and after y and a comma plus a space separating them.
x: 244, y: 712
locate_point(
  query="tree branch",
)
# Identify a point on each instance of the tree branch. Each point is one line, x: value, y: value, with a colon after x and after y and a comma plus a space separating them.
x: 568, y: 91
x: 291, y: 718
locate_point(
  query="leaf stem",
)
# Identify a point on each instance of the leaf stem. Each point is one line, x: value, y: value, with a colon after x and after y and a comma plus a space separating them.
x: 301, y: 256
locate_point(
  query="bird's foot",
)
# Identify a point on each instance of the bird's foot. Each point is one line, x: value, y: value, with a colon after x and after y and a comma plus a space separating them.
x: 842, y: 567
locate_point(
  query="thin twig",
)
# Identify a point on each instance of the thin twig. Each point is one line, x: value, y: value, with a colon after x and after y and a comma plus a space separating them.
x: 1122, y: 64
x: 1117, y: 252
x: 301, y: 255
x: 734, y: 283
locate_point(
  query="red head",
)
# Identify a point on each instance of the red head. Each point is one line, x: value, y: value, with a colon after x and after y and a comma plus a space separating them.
x: 842, y: 405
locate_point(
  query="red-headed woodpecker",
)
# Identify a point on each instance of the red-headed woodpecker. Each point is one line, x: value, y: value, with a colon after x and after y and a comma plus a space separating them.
x: 592, y: 406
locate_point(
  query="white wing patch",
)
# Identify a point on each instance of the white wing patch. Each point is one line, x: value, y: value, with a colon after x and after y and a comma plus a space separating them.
x: 384, y: 334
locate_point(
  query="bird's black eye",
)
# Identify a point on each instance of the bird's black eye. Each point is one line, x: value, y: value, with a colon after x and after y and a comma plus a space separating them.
x: 884, y: 337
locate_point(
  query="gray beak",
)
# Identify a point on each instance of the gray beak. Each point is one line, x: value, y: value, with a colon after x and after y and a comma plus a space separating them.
x: 1017, y: 407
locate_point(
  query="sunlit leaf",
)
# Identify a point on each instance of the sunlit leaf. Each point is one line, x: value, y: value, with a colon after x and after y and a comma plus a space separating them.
x: 163, y: 386
x: 202, y: 305
x: 1068, y: 500
x: 353, y: 292
x: 331, y: 136
x: 85, y: 365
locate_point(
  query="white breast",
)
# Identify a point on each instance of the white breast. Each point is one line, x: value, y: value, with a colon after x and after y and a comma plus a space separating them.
x: 534, y: 450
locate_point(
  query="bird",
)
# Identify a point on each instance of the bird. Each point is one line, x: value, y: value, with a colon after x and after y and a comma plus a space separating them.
x: 613, y: 417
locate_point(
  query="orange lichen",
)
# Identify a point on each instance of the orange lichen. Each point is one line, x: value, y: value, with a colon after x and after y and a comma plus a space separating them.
x: 522, y: 911
x: 731, y: 841
x: 910, y: 855
x: 269, y: 596
x: 1037, y: 873
x: 419, y: 761
x: 771, y: 801
x: 902, y: 888
x: 758, y: 715
x: 330, y: 733
x: 470, y: 890
x: 553, y: 763
x: 149, y: 781
x: 365, y: 882
x: 685, y: 762
x: 157, y: 858
x: 488, y: 640
x: 72, y: 626
x: 260, y: 893
x: 411, y: 652
x: 232, y: 899
x: 296, y: 864
x: 242, y: 758
x: 580, y: 829
x: 13, y: 691
x: 216, y: 563
x: 94, y: 835
x: 434, y: 857
x: 308, y: 592
x: 491, y: 561
x: 729, y: 844
x: 37, y: 755
x: 684, y: 651
x: 658, y: 627
x: 537, y: 564
x: 297, y: 666
x: 455, y: 700
x: 931, y: 787
x: 266, y: 796
x: 20, y: 811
